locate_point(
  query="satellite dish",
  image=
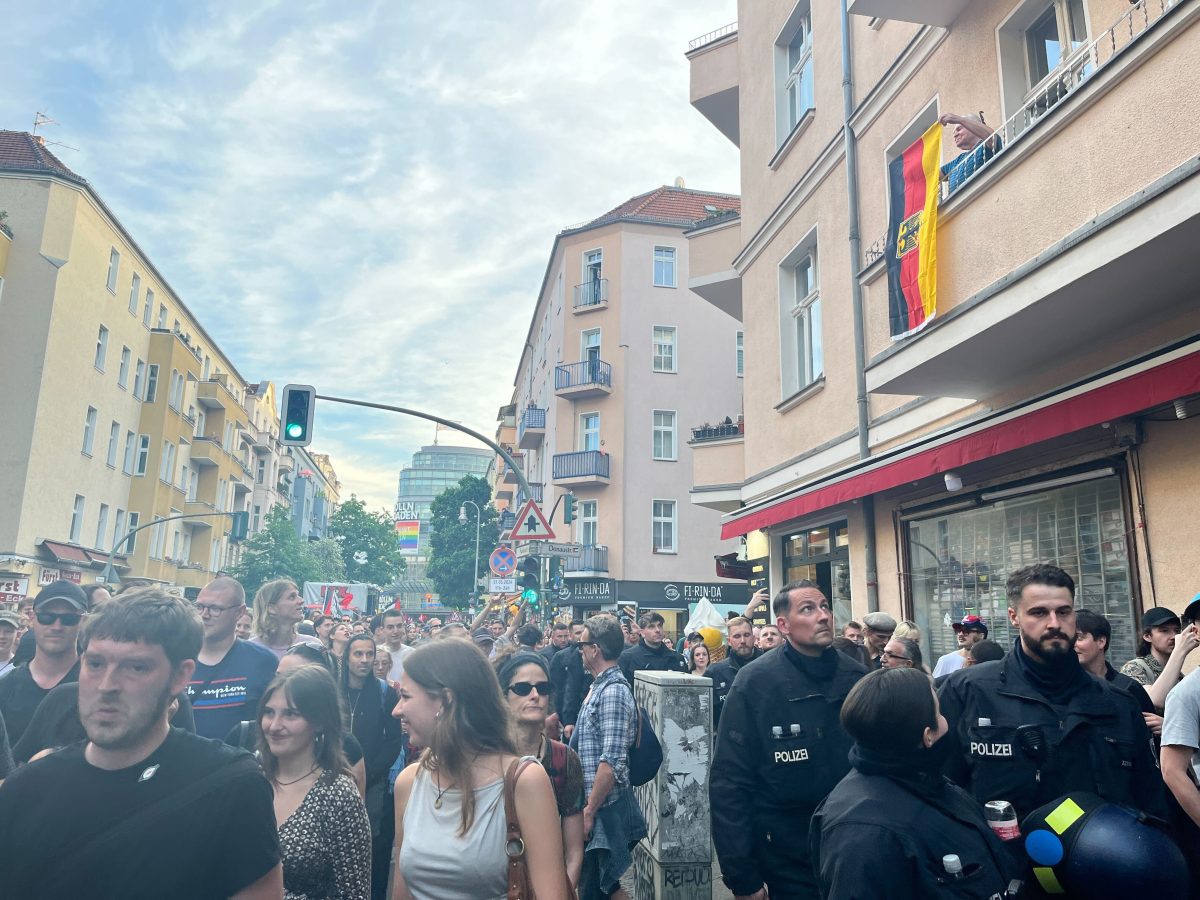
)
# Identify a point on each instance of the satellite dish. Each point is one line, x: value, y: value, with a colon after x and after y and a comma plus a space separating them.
x: 679, y: 181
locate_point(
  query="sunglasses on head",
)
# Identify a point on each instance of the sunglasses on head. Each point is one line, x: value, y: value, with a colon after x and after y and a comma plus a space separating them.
x: 525, y: 688
x: 68, y: 619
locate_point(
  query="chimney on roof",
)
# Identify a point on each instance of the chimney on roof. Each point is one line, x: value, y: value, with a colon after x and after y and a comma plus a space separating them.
x: 679, y: 181
x: 41, y: 140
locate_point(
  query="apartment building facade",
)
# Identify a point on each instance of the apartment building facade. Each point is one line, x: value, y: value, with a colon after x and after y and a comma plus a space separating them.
x: 1046, y: 412
x: 621, y: 361
x: 118, y: 407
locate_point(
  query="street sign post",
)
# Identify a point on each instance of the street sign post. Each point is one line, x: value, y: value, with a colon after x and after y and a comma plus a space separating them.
x: 502, y: 585
x: 502, y: 562
x: 551, y: 549
x: 531, y: 524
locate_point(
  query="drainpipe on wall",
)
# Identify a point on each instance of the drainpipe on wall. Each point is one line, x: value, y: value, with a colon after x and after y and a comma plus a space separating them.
x: 850, y: 143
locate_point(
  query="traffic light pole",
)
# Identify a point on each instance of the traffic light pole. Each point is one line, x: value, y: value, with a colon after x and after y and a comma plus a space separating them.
x: 505, y: 455
x: 109, y: 571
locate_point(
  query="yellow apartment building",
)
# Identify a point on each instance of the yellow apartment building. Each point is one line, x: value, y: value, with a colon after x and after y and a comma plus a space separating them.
x: 1049, y: 409
x: 118, y: 407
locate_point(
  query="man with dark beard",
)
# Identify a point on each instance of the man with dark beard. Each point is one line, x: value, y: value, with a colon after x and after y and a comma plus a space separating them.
x: 1034, y: 726
x: 139, y: 809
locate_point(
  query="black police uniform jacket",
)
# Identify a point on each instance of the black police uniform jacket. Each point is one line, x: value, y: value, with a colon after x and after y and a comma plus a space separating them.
x: 722, y: 674
x: 640, y: 658
x: 882, y: 833
x: 1096, y: 740
x: 763, y: 790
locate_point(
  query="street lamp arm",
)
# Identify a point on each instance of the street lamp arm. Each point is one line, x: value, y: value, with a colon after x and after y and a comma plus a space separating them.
x: 108, y: 568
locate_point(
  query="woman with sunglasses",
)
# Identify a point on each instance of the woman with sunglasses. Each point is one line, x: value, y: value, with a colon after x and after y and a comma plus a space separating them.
x: 525, y: 681
x: 324, y: 835
x: 451, y: 827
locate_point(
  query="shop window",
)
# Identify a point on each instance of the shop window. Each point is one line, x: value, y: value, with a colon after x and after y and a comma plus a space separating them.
x: 822, y: 555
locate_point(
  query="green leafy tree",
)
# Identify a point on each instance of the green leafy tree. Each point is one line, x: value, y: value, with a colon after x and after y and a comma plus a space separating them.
x: 370, y: 550
x: 452, y: 543
x: 327, y: 559
x: 275, y: 552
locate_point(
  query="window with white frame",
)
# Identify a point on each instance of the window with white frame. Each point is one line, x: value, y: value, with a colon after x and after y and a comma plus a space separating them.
x: 118, y: 528
x: 193, y: 484
x: 256, y: 519
x: 89, y: 430
x: 139, y: 379
x: 77, y: 518
x: 134, y: 520
x: 130, y: 448
x: 123, y: 371
x: 143, y: 454
x: 207, y: 367
x: 662, y: 520
x: 135, y: 291
x: 589, y: 523
x: 162, y: 315
x: 148, y: 309
x: 664, y: 267
x: 114, y: 267
x: 664, y: 434
x: 260, y: 471
x: 589, y: 431
x: 157, y: 538
x: 176, y: 546
x: 183, y: 477
x: 114, y: 444
x: 794, y: 71
x: 739, y: 354
x: 166, y: 464
x: 664, y: 341
x: 220, y: 495
x: 101, y: 526
x: 151, y: 383
x: 1042, y: 54
x: 101, y: 348
x: 803, y: 359
x: 175, y: 398
x: 228, y: 445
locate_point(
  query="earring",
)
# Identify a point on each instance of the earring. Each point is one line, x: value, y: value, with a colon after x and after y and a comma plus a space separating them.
x: 438, y: 714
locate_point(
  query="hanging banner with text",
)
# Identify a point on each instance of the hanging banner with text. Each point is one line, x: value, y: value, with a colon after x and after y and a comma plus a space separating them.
x: 408, y: 536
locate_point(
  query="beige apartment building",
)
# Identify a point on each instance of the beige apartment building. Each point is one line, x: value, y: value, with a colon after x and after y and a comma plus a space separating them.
x: 118, y: 407
x: 1049, y: 410
x: 621, y: 365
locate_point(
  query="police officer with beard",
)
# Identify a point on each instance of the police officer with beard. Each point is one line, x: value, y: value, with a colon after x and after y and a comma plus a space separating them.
x: 780, y: 750
x: 741, y: 651
x: 1034, y: 725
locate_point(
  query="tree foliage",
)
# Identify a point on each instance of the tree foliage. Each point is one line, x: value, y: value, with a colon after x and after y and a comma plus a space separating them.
x: 276, y: 551
x: 452, y: 543
x: 369, y: 537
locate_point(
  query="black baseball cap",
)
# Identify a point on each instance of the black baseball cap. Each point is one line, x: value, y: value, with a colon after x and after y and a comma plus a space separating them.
x: 1158, y: 615
x: 62, y: 590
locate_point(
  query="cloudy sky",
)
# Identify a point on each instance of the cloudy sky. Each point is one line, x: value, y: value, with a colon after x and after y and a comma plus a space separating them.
x: 362, y: 195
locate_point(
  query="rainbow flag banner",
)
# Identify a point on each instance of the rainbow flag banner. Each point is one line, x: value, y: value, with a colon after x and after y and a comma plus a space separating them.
x: 408, y: 534
x: 911, y: 253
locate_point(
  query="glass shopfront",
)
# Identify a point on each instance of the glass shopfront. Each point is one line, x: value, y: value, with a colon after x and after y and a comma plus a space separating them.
x: 958, y: 560
x: 822, y: 556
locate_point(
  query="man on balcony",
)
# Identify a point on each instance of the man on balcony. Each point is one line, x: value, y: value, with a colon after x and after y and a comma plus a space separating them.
x: 978, y: 144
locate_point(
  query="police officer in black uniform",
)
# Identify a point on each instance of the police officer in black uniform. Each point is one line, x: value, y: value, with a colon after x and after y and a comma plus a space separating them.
x: 780, y: 750
x: 1034, y: 726
x: 741, y: 651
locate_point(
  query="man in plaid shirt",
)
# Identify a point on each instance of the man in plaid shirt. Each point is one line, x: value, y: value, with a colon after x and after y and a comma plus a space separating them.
x: 604, y: 732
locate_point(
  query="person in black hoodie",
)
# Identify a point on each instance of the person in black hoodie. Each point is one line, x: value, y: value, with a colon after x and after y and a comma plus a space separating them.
x: 741, y: 651
x: 651, y: 652
x: 780, y: 750
x: 569, y: 681
x: 897, y: 810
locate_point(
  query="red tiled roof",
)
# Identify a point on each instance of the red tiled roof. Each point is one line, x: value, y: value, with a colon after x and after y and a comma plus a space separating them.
x: 22, y: 151
x: 669, y: 206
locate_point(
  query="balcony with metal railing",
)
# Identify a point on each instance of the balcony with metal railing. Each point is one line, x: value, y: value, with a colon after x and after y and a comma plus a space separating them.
x: 532, y: 428
x: 590, y: 296
x: 714, y: 93
x: 583, y: 467
x: 510, y: 476
x: 581, y: 380
x: 722, y: 431
x: 538, y: 492
x: 592, y: 560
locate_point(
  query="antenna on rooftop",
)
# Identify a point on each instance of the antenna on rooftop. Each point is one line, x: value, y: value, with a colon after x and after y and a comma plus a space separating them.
x: 40, y: 119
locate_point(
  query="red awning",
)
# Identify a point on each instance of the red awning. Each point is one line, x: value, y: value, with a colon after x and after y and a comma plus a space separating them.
x: 1124, y: 397
x: 66, y: 553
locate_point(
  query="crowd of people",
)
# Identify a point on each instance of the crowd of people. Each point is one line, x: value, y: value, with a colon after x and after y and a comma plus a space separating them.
x: 152, y: 747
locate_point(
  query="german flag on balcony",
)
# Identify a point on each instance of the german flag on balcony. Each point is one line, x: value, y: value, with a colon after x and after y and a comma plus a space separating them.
x: 912, y: 233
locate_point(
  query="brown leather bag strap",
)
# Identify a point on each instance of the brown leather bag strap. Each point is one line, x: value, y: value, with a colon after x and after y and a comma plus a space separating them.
x: 519, y: 886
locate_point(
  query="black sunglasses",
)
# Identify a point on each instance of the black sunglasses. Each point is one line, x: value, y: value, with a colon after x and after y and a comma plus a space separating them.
x: 525, y: 688
x: 68, y: 619
x: 586, y: 643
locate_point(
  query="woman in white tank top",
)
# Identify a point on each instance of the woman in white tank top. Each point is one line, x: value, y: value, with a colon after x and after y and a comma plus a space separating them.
x: 450, y: 825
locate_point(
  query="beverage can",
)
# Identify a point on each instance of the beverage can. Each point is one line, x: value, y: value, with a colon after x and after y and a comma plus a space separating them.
x: 1003, y: 819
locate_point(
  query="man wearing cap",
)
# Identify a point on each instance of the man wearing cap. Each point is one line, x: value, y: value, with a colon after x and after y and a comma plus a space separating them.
x: 485, y: 641
x: 970, y: 631
x: 878, y: 628
x: 1159, y: 665
x: 9, y: 623
x: 58, y: 609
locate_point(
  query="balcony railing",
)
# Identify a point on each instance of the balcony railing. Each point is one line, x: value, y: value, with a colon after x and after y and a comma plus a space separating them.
x: 712, y: 36
x: 594, y: 558
x: 531, y: 428
x: 538, y: 492
x: 582, y: 374
x: 591, y: 293
x: 581, y: 464
x: 718, y: 432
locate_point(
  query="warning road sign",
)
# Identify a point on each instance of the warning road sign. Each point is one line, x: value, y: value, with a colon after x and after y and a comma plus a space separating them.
x: 531, y: 524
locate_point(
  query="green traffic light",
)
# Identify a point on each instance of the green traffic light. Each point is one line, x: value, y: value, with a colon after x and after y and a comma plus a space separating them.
x: 295, y: 430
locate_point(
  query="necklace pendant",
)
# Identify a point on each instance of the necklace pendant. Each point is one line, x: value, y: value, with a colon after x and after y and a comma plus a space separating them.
x: 437, y: 803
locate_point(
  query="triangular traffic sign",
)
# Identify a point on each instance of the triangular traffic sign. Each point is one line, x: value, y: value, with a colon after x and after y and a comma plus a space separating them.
x: 531, y: 524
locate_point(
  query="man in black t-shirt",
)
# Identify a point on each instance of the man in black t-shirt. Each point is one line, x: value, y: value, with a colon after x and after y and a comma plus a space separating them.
x: 139, y: 810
